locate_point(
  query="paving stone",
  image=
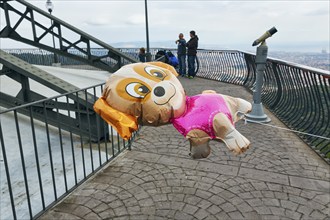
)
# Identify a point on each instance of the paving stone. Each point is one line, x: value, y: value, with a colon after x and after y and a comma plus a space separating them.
x: 141, y: 195
x: 316, y: 214
x: 281, y: 195
x: 323, y: 199
x: 135, y: 217
x: 189, y: 190
x: 217, y: 168
x: 146, y: 202
x: 235, y: 215
x: 246, y: 195
x: 210, y: 217
x: 252, y: 215
x: 204, y: 204
x: 92, y: 203
x: 176, y: 197
x: 177, y: 205
x: 179, y: 162
x: 130, y: 202
x: 222, y: 215
x: 217, y: 200
x: 227, y: 207
x: 203, y: 194
x: 277, y: 211
x: 257, y: 194
x: 244, y: 207
x: 93, y: 216
x: 159, y: 197
x: 304, y: 183
x: 214, y: 209
x: 177, y: 189
x: 270, y: 202
x: 264, y: 176
x: 116, y: 204
x: 148, y: 210
x: 255, y: 202
x: 293, y: 215
x: 235, y: 200
x: 100, y: 208
x: 201, y: 214
x: 134, y: 210
x: 183, y: 215
x: 305, y: 210
x: 58, y: 215
x: 191, y: 209
x: 107, y: 214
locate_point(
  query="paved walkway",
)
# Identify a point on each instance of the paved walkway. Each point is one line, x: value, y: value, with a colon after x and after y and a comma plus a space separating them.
x: 279, y: 177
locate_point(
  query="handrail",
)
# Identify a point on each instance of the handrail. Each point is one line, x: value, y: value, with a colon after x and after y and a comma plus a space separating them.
x: 41, y: 164
x: 298, y: 95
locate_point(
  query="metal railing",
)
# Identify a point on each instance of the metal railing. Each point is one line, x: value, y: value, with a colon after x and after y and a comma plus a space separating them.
x: 40, y: 163
x: 298, y: 95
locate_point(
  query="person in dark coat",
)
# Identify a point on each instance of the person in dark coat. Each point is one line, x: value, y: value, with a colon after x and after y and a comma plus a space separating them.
x: 192, y: 46
x: 182, y: 54
x: 142, y: 55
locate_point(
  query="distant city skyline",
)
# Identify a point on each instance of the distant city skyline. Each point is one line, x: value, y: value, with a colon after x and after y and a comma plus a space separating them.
x: 302, y: 25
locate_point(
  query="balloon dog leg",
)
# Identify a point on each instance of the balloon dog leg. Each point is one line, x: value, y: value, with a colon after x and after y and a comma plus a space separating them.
x: 199, y: 144
x: 226, y: 131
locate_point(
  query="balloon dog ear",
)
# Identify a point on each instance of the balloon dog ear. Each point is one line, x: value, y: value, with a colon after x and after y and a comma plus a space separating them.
x: 165, y: 66
x: 124, y: 124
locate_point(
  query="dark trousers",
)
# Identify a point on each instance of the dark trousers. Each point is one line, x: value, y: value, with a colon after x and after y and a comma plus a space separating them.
x: 182, y: 64
x: 191, y: 65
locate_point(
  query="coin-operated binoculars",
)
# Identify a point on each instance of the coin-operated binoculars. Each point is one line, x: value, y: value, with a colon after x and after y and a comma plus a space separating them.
x: 257, y: 114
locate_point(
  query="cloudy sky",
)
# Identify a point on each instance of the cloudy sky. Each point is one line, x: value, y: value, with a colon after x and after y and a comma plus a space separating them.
x: 301, y: 25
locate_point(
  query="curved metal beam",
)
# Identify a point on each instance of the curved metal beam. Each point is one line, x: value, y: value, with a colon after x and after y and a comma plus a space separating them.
x: 78, y: 49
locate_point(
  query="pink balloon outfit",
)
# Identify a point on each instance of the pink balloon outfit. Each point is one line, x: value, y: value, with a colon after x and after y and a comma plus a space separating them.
x: 200, y: 112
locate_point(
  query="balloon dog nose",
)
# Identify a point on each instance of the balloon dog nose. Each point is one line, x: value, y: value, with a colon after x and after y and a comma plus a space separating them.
x: 159, y: 91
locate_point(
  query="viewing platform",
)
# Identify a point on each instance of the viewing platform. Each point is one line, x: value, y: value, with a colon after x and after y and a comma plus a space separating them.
x: 279, y: 177
x: 60, y: 160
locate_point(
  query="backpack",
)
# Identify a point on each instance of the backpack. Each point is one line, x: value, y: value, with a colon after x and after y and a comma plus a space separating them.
x: 172, y: 60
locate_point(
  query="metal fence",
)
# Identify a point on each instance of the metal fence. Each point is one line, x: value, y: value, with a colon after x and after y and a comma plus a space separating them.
x: 298, y: 95
x: 41, y: 163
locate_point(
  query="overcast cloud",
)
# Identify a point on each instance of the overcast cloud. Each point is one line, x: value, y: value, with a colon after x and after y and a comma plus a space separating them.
x: 227, y: 24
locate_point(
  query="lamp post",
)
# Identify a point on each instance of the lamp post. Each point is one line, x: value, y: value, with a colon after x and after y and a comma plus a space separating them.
x: 148, y: 55
x: 50, y: 7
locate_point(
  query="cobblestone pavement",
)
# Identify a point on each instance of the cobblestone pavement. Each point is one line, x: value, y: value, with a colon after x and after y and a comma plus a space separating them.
x: 279, y: 177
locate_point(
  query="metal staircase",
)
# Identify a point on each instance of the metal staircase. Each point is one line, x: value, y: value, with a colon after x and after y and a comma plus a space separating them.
x: 70, y: 41
x: 81, y: 104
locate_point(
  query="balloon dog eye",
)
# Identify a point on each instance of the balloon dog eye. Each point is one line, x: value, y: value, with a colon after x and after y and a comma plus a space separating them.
x: 137, y: 90
x: 152, y: 71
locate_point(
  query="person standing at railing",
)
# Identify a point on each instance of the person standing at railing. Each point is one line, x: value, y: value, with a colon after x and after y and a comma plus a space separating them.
x: 142, y: 55
x: 182, y: 51
x: 192, y: 46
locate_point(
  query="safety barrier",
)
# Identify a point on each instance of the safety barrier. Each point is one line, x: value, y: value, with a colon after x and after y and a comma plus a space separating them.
x: 298, y: 95
x: 40, y: 163
x: 31, y: 183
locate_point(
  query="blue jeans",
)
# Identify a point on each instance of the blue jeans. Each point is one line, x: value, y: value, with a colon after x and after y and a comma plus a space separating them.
x: 191, y: 65
x: 182, y: 64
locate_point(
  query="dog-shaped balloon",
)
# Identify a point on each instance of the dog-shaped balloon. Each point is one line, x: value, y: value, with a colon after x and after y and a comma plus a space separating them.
x: 150, y: 94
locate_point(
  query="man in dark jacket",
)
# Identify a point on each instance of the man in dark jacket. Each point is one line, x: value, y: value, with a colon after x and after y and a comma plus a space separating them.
x: 181, y: 54
x: 192, y: 46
